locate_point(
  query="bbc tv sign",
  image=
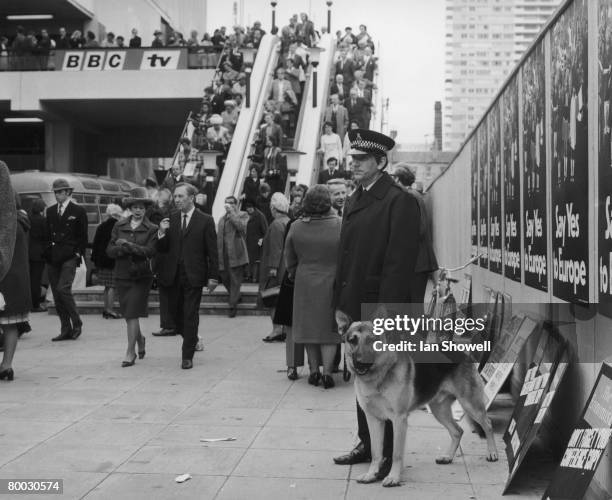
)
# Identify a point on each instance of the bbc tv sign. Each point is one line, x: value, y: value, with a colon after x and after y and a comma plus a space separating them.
x: 118, y: 60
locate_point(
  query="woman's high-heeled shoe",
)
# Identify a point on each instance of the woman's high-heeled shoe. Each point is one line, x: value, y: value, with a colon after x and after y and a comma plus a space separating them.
x: 7, y: 374
x: 314, y: 378
x: 292, y: 373
x: 141, y: 350
x: 125, y: 364
x: 328, y: 382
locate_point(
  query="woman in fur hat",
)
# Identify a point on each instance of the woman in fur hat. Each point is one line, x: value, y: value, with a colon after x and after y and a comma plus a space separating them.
x: 15, y: 297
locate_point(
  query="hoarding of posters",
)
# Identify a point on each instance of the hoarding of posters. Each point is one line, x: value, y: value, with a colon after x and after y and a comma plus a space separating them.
x: 535, y: 247
x: 538, y: 379
x: 512, y: 183
x: 483, y: 195
x: 570, y: 200
x: 474, y: 191
x: 604, y: 263
x: 495, y: 191
x: 587, y: 444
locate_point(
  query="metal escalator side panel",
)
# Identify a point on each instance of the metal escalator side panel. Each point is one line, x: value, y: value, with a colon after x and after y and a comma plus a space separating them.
x: 236, y: 164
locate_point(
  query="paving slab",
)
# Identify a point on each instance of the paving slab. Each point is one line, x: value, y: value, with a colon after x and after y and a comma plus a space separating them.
x: 126, y: 433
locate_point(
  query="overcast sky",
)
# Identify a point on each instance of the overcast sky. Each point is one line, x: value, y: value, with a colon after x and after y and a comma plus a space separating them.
x: 411, y: 38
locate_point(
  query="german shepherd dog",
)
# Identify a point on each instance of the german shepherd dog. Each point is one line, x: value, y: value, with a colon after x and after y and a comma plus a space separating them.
x: 389, y: 385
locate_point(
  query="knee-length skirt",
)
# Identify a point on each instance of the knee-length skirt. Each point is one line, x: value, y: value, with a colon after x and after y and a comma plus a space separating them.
x: 134, y: 297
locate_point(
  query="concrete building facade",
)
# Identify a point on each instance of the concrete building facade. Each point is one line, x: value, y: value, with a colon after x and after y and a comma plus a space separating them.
x: 484, y: 40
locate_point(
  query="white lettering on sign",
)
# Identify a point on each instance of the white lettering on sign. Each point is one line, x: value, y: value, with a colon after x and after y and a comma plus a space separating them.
x: 94, y: 60
x: 608, y: 231
x: 535, y: 264
x: 511, y: 231
x: 72, y: 61
x: 573, y: 272
x: 568, y: 224
x: 533, y: 225
x: 115, y: 60
x: 162, y: 59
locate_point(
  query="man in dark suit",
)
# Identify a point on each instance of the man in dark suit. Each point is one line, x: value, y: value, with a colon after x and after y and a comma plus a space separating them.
x: 357, y: 108
x: 331, y: 172
x: 346, y: 67
x: 189, y: 238
x: 339, y: 88
x: 368, y: 64
x: 67, y: 229
x: 379, y: 243
x: 337, y: 115
x: 135, y: 41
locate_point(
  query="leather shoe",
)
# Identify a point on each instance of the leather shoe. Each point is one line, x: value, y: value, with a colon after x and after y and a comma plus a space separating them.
x: 232, y: 312
x: 187, y: 364
x: 356, y: 456
x: 164, y: 332
x: 76, y: 332
x: 62, y: 336
x: 384, y: 469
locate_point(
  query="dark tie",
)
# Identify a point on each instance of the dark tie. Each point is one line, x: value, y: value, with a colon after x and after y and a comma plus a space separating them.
x: 339, y: 212
x: 184, y: 224
x: 359, y: 194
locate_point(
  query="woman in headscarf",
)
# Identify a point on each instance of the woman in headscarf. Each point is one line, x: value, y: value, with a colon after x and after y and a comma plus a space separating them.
x: 15, y: 293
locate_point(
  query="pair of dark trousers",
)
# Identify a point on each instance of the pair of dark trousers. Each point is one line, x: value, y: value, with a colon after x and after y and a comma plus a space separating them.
x: 185, y: 302
x: 60, y: 279
x: 36, y: 271
x: 232, y: 280
x: 166, y: 320
x: 364, y: 434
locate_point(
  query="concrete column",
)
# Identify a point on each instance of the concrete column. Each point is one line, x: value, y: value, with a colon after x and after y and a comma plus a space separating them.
x: 59, y: 138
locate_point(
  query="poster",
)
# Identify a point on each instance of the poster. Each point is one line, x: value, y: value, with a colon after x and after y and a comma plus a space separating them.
x: 569, y: 172
x: 604, y: 262
x: 474, y: 188
x: 483, y: 195
x: 495, y: 191
x: 534, y: 229
x: 501, y: 361
x: 556, y: 377
x: 518, y: 436
x: 512, y: 183
x: 587, y: 444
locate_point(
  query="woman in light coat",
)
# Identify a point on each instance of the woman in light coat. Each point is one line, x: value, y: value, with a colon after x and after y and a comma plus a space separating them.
x: 311, y: 252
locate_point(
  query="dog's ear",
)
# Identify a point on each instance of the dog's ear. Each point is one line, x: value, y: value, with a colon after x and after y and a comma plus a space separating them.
x: 343, y: 321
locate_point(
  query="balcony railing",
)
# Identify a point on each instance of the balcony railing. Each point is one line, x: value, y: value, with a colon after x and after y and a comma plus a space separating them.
x: 115, y: 58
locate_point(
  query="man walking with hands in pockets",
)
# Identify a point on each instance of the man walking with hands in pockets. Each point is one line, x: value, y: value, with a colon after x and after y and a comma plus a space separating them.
x: 189, y: 238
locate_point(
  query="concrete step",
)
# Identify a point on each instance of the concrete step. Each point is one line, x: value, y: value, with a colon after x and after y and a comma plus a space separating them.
x: 248, y: 297
x: 206, y: 308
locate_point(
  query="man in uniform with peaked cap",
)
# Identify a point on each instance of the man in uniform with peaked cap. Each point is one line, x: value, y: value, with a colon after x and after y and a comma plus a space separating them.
x: 67, y: 228
x: 378, y: 250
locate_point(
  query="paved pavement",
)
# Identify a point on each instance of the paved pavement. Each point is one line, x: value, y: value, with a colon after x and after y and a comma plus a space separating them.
x: 126, y: 433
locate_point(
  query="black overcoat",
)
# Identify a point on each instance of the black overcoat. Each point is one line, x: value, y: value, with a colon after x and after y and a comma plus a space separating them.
x: 379, y: 243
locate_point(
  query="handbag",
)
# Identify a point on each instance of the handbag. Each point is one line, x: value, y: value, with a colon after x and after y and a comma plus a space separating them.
x: 139, y: 268
x: 269, y: 293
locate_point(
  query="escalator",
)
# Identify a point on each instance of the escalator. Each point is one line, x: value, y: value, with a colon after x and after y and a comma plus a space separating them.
x: 237, y: 162
x: 310, y: 122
